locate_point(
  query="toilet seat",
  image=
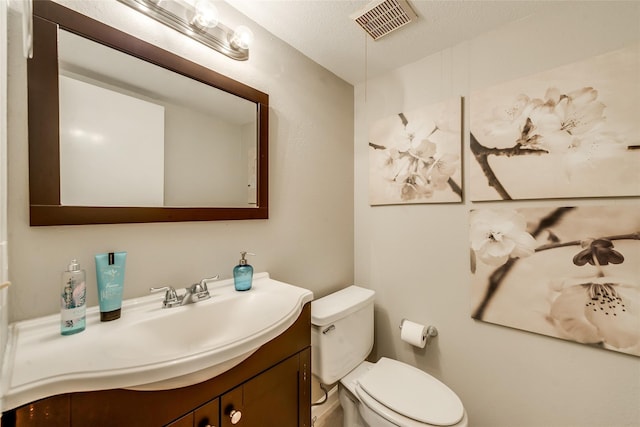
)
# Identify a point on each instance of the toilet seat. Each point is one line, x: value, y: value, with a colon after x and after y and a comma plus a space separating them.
x: 369, y: 404
x: 408, y: 396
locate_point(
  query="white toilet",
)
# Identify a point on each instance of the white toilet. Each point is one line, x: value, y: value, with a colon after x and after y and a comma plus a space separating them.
x: 387, y: 393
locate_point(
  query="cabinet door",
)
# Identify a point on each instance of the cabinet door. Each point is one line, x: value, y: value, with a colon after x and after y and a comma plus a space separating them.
x: 208, y: 415
x: 269, y: 400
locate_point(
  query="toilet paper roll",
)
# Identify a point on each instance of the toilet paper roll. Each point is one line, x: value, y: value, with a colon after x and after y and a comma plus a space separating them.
x: 414, y: 333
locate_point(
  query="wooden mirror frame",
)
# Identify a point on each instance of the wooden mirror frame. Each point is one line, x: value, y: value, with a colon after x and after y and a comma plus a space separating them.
x: 43, y: 108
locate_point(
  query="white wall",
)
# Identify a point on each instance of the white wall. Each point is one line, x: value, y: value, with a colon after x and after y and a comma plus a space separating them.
x: 308, y: 239
x: 416, y: 256
x: 220, y: 161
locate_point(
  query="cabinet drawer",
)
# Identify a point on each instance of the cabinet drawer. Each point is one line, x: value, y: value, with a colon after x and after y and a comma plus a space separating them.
x: 208, y: 415
x: 186, y: 421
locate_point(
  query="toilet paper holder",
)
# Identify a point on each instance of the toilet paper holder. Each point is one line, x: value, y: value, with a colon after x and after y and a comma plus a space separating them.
x: 430, y: 332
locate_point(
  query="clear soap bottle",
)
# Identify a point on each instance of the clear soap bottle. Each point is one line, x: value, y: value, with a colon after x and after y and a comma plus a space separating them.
x: 243, y: 273
x: 73, y: 300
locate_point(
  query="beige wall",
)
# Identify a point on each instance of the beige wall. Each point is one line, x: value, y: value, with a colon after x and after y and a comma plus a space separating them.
x: 4, y: 293
x: 417, y: 257
x: 308, y: 239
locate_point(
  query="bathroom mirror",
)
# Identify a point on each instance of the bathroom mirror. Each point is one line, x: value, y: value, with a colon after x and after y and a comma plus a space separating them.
x: 191, y: 145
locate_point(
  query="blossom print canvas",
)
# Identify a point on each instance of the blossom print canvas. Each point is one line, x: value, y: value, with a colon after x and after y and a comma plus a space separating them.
x: 569, y: 132
x: 567, y: 272
x: 414, y: 156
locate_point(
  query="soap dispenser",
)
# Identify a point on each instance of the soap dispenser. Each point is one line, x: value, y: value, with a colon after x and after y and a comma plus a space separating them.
x: 73, y: 300
x: 243, y: 273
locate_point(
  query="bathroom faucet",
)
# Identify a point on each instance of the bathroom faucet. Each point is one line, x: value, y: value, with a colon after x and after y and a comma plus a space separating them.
x: 192, y: 294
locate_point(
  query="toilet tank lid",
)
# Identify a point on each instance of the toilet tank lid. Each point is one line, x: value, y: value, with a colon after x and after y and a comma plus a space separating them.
x: 339, y: 304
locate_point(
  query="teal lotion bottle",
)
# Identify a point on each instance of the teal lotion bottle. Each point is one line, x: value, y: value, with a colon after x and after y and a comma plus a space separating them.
x: 110, y: 278
x: 243, y: 273
x: 73, y: 302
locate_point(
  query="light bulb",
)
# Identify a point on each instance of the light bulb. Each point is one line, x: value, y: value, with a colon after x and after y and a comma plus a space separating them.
x: 205, y: 14
x: 241, y: 37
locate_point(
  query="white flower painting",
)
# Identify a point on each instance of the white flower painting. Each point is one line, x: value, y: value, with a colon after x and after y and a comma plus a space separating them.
x: 567, y: 272
x: 569, y: 132
x: 414, y: 156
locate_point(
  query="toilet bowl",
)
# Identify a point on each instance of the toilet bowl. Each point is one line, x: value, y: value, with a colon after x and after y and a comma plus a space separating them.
x: 387, y: 393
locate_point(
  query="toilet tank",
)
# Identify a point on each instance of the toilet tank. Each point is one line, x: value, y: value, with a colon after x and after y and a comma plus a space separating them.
x: 341, y: 332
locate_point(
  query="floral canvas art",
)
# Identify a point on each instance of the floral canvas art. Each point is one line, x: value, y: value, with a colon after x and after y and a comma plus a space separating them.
x: 569, y: 132
x: 414, y: 157
x: 567, y: 272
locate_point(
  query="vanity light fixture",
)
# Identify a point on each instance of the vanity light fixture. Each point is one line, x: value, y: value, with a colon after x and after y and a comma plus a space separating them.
x: 198, y: 19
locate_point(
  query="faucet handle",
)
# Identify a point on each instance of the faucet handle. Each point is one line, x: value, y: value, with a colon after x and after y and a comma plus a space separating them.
x: 203, y: 282
x: 171, y: 298
x: 199, y: 290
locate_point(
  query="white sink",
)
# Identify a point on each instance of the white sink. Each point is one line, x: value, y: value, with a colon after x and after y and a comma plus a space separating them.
x: 148, y: 348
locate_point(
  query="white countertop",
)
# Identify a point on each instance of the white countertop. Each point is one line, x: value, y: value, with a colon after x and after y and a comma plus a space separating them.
x: 148, y: 348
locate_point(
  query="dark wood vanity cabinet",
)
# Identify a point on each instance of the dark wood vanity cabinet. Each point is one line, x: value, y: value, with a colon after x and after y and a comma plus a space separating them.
x: 272, y: 388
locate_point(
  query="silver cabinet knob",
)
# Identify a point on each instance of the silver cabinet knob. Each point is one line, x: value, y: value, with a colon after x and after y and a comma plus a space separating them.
x: 235, y: 416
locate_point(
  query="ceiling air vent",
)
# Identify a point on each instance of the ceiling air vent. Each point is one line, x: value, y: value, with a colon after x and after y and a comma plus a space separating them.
x: 380, y: 17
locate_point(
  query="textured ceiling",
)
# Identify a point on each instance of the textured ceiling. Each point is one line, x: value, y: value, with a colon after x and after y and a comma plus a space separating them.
x: 323, y: 30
